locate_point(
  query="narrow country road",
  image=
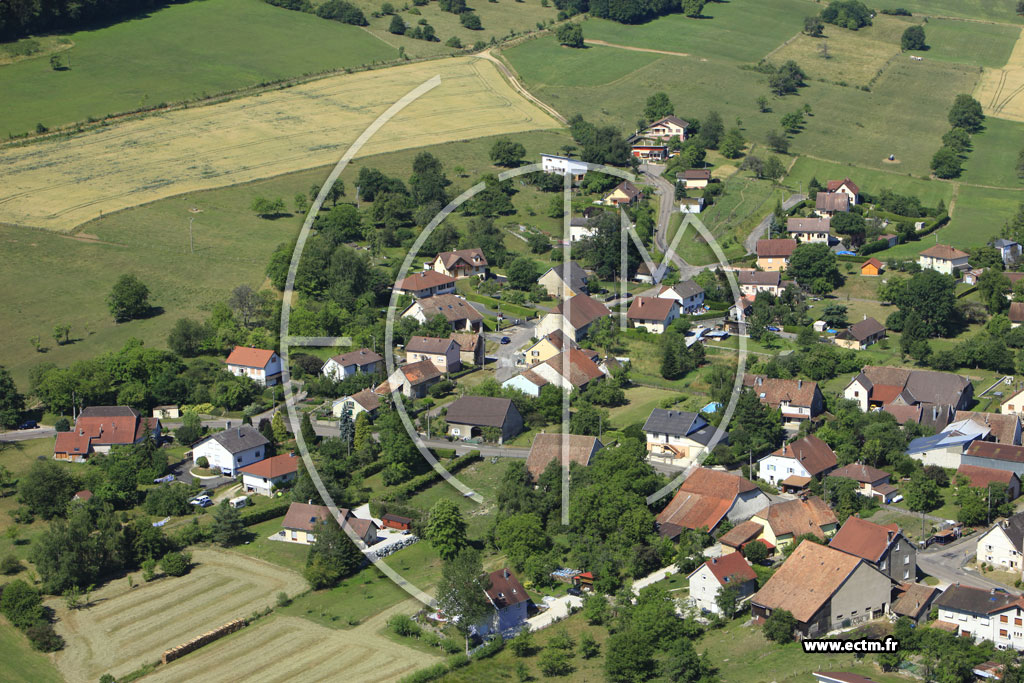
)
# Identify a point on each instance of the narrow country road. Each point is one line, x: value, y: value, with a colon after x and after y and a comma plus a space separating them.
x: 603, y: 43
x: 946, y: 563
x: 750, y: 244
x: 666, y: 192
x: 518, y: 87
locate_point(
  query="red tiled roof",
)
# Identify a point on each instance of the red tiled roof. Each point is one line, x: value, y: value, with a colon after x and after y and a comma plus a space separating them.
x: 996, y: 451
x: 741, y: 533
x: 304, y: 516
x: 72, y: 443
x: 112, y: 425
x: 884, y: 393
x: 944, y: 252
x: 981, y: 477
x: 650, y: 308
x: 796, y: 392
x: 811, y: 452
x: 505, y: 589
x: 733, y: 564
x: 873, y: 262
x: 272, y: 468
x: 834, y: 185
x: 248, y: 357
x: 84, y: 494
x: 704, y: 499
x: 775, y: 248
x: 863, y: 538
x: 420, y: 371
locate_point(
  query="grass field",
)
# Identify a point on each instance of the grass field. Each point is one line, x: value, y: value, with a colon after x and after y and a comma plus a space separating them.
x: 22, y: 664
x: 61, y: 184
x: 482, y: 477
x: 126, y: 628
x: 970, y: 42
x: 870, y: 180
x: 181, y: 52
x: 993, y: 159
x: 288, y: 555
x: 976, y: 10
x: 642, y: 400
x: 1001, y: 91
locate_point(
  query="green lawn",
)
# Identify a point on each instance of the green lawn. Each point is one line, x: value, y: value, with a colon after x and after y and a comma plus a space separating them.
x: 871, y: 181
x: 22, y: 664
x: 948, y: 510
x: 993, y: 160
x: 482, y: 477
x: 642, y: 400
x: 283, y: 553
x: 969, y: 42
x: 967, y: 9
x: 181, y: 52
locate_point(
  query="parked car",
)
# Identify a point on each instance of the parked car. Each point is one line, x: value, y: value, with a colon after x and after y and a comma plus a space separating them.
x: 28, y: 424
x: 506, y: 340
x: 897, y: 498
x: 574, y: 591
x: 201, y: 501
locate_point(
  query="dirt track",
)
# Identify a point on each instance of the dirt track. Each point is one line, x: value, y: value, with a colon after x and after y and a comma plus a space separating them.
x: 603, y: 43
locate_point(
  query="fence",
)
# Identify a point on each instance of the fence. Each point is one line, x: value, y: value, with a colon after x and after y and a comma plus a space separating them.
x: 205, y: 639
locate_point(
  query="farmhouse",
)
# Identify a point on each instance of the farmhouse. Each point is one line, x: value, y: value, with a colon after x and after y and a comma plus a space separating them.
x: 983, y: 477
x: 880, y: 386
x: 946, y: 448
x: 472, y: 416
x: 365, y: 401
x: 262, y: 366
x: 871, y: 268
x: 264, y: 476
x: 783, y: 522
x: 982, y: 614
x: 624, y: 193
x: 797, y: 399
x: 754, y: 281
x: 573, y: 371
x: 461, y: 263
x: 652, y: 313
x: 914, y: 601
x: 456, y: 310
x: 443, y: 353
x: 815, y: 229
x: 551, y: 163
x: 232, y: 449
x: 666, y: 129
x: 707, y: 497
x: 828, y: 204
x: 574, y: 316
x: 1009, y: 251
x: 688, y: 293
x: 808, y: 457
x: 347, y: 364
x: 412, y: 380
x: 509, y: 602
x: 1004, y: 428
x: 883, y: 547
x: 1003, y: 543
x: 846, y: 187
x: 707, y: 580
x: 824, y: 589
x: 547, y: 347
x: 679, y: 434
x: 562, y: 286
x: 871, y: 481
x: 426, y: 283
x: 548, y: 448
x: 736, y: 538
x: 694, y: 178
x: 99, y: 428
x: 861, y: 335
x: 471, y: 347
x: 773, y: 255
x: 943, y: 258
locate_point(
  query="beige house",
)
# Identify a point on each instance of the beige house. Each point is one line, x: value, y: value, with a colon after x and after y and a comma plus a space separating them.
x: 861, y: 334
x: 708, y: 580
x: 844, y: 186
x: 816, y: 229
x: 754, y: 281
x: 546, y: 348
x: 1003, y: 544
x: 574, y: 316
x: 1014, y: 404
x: 652, y: 313
x: 461, y: 263
x: 773, y: 255
x: 301, y: 520
x: 666, y: 129
x: 459, y: 313
x: 943, y: 258
x: 624, y: 193
x: 560, y: 285
x: 783, y: 522
x: 471, y: 347
x: 167, y: 412
x: 365, y: 401
x: 694, y: 178
x: 443, y: 353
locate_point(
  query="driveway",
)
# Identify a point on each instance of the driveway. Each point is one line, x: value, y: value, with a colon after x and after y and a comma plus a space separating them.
x: 558, y: 609
x: 666, y: 192
x: 180, y: 470
x: 750, y: 244
x: 946, y: 563
x: 505, y: 365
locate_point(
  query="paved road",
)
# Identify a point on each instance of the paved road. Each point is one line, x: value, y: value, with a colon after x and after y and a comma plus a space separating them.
x: 946, y: 563
x: 26, y: 434
x: 750, y: 244
x: 505, y: 367
x: 666, y: 192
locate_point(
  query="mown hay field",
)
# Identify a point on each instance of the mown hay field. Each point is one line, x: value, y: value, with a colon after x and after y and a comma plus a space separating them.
x: 127, y: 628
x: 1001, y: 91
x: 62, y: 183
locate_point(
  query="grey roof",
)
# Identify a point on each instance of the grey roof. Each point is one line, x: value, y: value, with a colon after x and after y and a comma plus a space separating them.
x: 974, y: 600
x: 1013, y: 527
x: 1000, y: 243
x: 577, y: 276
x: 483, y: 411
x: 109, y: 411
x: 687, y: 288
x: 758, y: 277
x: 238, y: 439
x: 682, y: 423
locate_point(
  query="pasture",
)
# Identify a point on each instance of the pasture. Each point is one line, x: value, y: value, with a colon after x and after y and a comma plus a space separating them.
x: 869, y: 180
x: 59, y: 184
x: 126, y: 628
x: 181, y: 52
x: 969, y: 42
x: 975, y: 10
x: 22, y: 664
x: 1001, y: 91
x: 993, y: 159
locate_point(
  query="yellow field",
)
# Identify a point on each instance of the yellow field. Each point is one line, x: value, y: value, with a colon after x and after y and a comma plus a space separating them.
x: 1001, y: 91
x: 126, y: 628
x: 61, y: 184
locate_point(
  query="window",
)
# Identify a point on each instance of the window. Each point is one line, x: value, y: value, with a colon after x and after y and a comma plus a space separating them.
x: 1002, y: 633
x: 1017, y: 622
x: 856, y: 394
x: 853, y: 613
x: 906, y: 573
x: 897, y: 547
x: 906, y: 559
x: 884, y: 564
x: 1003, y: 619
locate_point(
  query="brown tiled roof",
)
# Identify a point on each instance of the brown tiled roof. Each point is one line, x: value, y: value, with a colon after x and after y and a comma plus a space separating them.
x: 466, y: 341
x: 741, y: 533
x: 627, y: 188
x: 426, y: 279
x: 704, y: 499
x: 996, y: 451
x: 473, y: 257
x: 360, y: 526
x: 671, y: 119
x: 831, y: 201
x: 431, y: 345
x: 695, y: 174
x: 536, y: 379
x: 873, y: 262
x: 367, y: 399
x: 481, y: 411
x: 797, y: 392
x: 981, y: 477
x: 249, y: 357
x: 557, y: 338
x: 109, y: 425
x: 904, y: 414
x: 84, y: 494
x: 360, y: 357
x: 913, y: 599
x: 862, y: 330
x: 922, y: 386
x: 865, y: 474
x: 650, y: 308
x: 582, y: 310
x: 420, y: 371
x: 548, y: 447
x: 796, y: 481
x: 961, y: 598
x: 757, y: 277
x: 505, y: 589
x: 805, y: 581
x: 452, y: 307
x: 716, y: 483
x: 834, y: 185
x: 775, y: 248
x: 811, y: 452
x: 581, y: 368
x: 863, y: 538
x: 303, y: 516
x: 271, y: 468
x: 1004, y: 427
x: 733, y: 564
x: 812, y: 224
x: 1016, y: 312
x: 72, y: 443
x: 945, y: 252
x: 798, y: 517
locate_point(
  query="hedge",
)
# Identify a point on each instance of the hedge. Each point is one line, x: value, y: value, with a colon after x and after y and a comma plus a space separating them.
x: 874, y: 246
x: 420, y: 482
x: 431, y: 673
x: 933, y: 225
x: 277, y: 508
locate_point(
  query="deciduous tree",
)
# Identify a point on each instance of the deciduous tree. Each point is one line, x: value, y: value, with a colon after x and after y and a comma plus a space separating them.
x: 129, y: 299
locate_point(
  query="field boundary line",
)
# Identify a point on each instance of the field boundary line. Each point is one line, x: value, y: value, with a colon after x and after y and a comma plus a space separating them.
x: 784, y: 44
x: 506, y: 71
x: 603, y: 43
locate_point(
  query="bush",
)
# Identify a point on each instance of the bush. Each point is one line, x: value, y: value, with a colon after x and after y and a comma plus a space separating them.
x: 10, y: 565
x: 43, y: 638
x: 522, y: 644
x: 588, y: 646
x: 149, y: 569
x: 283, y: 600
x: 490, y: 648
x: 176, y: 564
x: 62, y: 425
x: 21, y: 604
x: 201, y: 461
x: 404, y: 626
x: 779, y: 626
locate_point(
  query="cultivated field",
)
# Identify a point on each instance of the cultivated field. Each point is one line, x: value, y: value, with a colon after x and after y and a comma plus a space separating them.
x: 126, y: 628
x: 61, y: 184
x: 1001, y: 91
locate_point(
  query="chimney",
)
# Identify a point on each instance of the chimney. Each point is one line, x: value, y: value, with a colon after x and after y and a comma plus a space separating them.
x: 991, y: 591
x: 865, y: 316
x: 309, y: 501
x: 890, y: 534
x: 505, y: 573
x: 759, y: 381
x: 799, y: 384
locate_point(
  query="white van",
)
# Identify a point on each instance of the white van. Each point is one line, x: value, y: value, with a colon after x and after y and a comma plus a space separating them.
x: 239, y: 502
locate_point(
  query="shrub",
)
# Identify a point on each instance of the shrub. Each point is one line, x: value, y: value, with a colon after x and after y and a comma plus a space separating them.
x: 779, y: 626
x: 21, y: 604
x: 283, y: 600
x: 404, y: 626
x: 490, y: 648
x: 10, y: 565
x: 149, y: 569
x: 588, y: 646
x: 522, y: 644
x: 201, y: 461
x: 43, y: 638
x: 176, y: 564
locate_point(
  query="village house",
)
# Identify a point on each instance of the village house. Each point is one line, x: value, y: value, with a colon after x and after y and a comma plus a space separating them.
x: 574, y: 316
x: 983, y: 477
x: 426, y: 283
x: 846, y: 187
x: 509, y: 601
x: 688, y: 293
x: 773, y: 255
x: 560, y: 165
x: 412, y: 380
x: 678, y: 434
x: 871, y: 268
x: 806, y: 458
x: 262, y: 366
x: 691, y: 204
x: 527, y: 381
x: 982, y: 614
x: 459, y: 313
x: 623, y: 194
x: 576, y: 370
x: 581, y: 228
x: 871, y: 481
x: 169, y: 412
x: 547, y: 347
x: 995, y: 456
x: 816, y: 229
x: 824, y: 589
x: 737, y: 538
x: 914, y: 601
x: 706, y: 498
x: 861, y: 334
x: 1009, y: 251
x: 443, y: 353
x: 972, y: 275
x: 946, y: 448
x: 470, y: 416
x: 264, y: 476
x: 647, y: 276
x: 1004, y: 428
x: 828, y: 204
x: 461, y: 263
x: 666, y: 129
x: 879, y: 386
x: 83, y: 496
x: 1003, y: 544
x: 884, y: 547
x: 753, y: 281
x: 797, y: 399
x: 943, y: 258
x: 365, y: 401
x: 708, y: 580
x: 347, y: 364
x: 99, y: 428
x: 559, y: 285
x: 1016, y: 313
x: 548, y: 448
x: 232, y: 449
x: 301, y: 520
x: 471, y: 347
x: 652, y: 313
x: 783, y: 522
x: 648, y: 149
x: 694, y: 178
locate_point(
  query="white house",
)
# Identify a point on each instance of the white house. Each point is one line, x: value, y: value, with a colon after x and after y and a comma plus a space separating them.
x: 678, y: 434
x: 665, y: 128
x: 943, y: 258
x: 688, y: 293
x: 444, y: 353
x: 691, y: 205
x: 551, y: 163
x: 528, y: 382
x: 1014, y: 404
x: 804, y: 458
x: 982, y: 614
x: 232, y: 449
x: 845, y: 186
x: 708, y: 580
x: 652, y: 313
x: 347, y: 364
x: 263, y: 366
x: 365, y: 401
x: 426, y: 283
x: 1003, y: 544
x: 264, y: 476
x: 817, y: 229
x: 753, y: 281
x: 581, y: 228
